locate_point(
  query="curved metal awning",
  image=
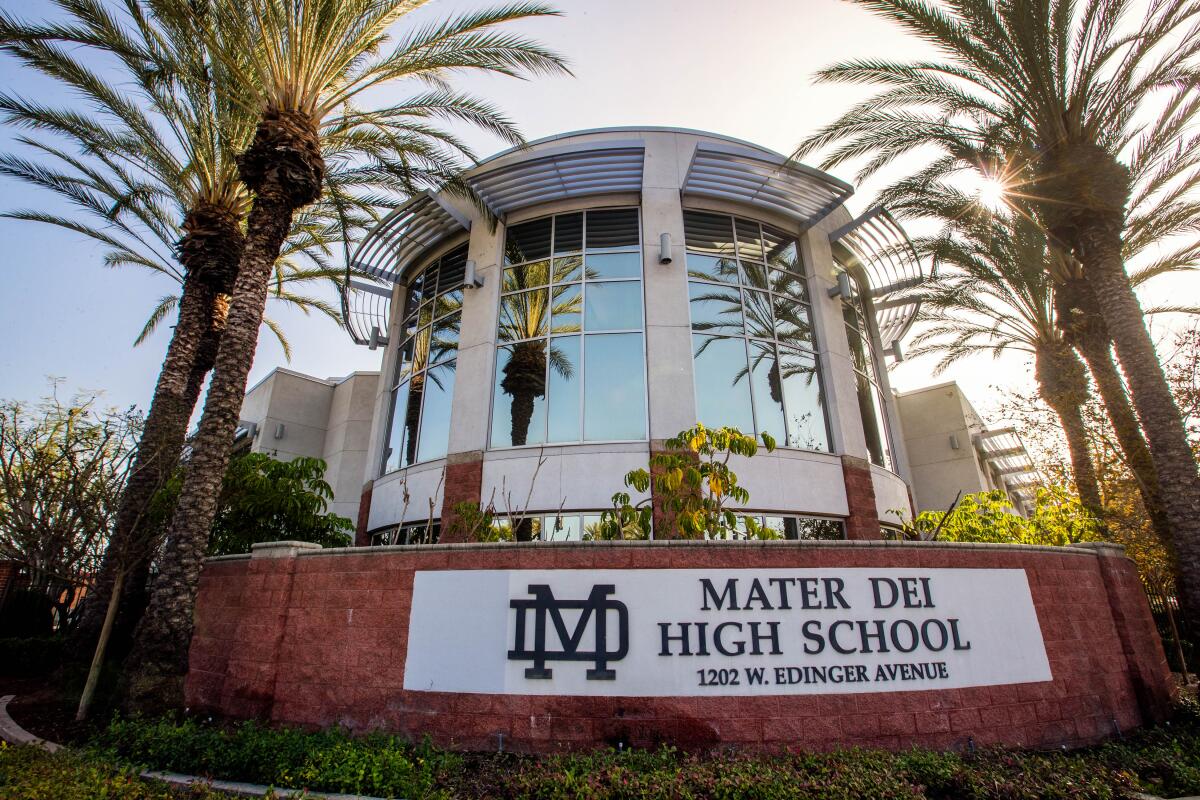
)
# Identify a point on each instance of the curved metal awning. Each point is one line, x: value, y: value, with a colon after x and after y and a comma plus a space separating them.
x: 892, y: 267
x: 1004, y: 451
x: 383, y: 255
x: 769, y: 181
x: 585, y: 169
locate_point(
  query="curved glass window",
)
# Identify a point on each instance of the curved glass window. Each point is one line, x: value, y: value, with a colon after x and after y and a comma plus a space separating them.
x: 864, y: 357
x: 570, y: 356
x: 423, y: 379
x: 755, y: 360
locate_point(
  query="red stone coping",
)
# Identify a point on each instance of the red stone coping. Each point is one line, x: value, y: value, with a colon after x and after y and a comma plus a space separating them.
x: 319, y: 638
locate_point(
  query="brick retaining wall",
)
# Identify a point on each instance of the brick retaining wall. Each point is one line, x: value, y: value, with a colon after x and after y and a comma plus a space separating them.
x: 319, y: 638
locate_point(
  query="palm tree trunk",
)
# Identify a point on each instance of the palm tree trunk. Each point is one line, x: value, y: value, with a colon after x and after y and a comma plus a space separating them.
x: 1098, y: 355
x: 284, y: 168
x: 175, y: 397
x: 1156, y: 409
x: 1063, y: 385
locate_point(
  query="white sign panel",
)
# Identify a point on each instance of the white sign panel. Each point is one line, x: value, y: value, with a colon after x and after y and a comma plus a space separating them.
x: 685, y: 632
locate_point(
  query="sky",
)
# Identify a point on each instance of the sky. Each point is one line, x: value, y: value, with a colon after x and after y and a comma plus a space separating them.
x: 744, y: 70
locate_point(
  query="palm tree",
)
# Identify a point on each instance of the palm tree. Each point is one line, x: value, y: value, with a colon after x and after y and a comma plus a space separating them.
x: 993, y: 293
x: 1066, y: 86
x: 155, y: 178
x: 299, y: 65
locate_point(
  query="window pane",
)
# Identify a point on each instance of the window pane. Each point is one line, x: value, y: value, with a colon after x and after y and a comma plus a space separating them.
x: 811, y: 528
x: 786, y: 284
x: 858, y: 350
x: 614, y: 387
x: 412, y: 295
x: 444, y: 343
x: 755, y: 274
x: 708, y: 233
x: 425, y: 314
x: 612, y: 228
x: 722, y: 391
x: 447, y: 303
x: 524, y: 315
x: 614, y: 265
x: 435, y: 420
x: 528, y: 241
x: 565, y: 369
x: 567, y: 268
x: 715, y: 309
x: 566, y: 314
x: 527, y: 276
x: 421, y: 350
x: 872, y: 429
x: 792, y: 323
x: 568, y: 233
x: 758, y: 314
x: 412, y: 416
x: 881, y: 417
x: 395, y: 440
x: 768, y: 390
x: 803, y: 401
x: 749, y: 242
x: 613, y: 306
x: 452, y: 268
x: 404, y: 362
x: 712, y: 268
x: 781, y: 251
x: 518, y: 405
x: 564, y: 528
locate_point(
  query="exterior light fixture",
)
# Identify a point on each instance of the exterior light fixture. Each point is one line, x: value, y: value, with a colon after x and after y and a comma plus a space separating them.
x: 953, y: 442
x: 664, y: 248
x: 843, y: 286
x: 280, y: 430
x: 377, y: 339
x: 897, y: 350
x: 471, y: 279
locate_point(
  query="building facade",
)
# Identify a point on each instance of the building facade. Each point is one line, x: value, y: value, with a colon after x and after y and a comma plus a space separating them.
x: 618, y: 286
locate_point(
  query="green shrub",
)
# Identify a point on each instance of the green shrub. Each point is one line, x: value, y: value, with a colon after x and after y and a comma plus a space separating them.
x: 29, y: 773
x: 377, y: 764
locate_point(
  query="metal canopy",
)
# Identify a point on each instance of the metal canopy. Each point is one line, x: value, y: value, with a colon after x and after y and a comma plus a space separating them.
x: 590, y: 168
x: 765, y: 180
x: 892, y: 266
x: 1003, y: 449
x: 384, y: 254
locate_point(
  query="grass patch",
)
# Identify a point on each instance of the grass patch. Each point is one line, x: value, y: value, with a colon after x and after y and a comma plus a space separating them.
x: 1164, y: 760
x: 29, y: 773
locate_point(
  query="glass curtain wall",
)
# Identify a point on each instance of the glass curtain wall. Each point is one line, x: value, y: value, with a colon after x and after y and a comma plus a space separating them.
x: 754, y: 354
x: 570, y: 358
x: 423, y: 380
x: 865, y: 358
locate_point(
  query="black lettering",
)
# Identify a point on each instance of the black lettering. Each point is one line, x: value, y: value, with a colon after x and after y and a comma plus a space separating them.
x: 914, y: 638
x: 909, y: 587
x: 719, y: 642
x: 877, y: 635
x: 928, y: 641
x: 729, y: 594
x: 813, y: 636
x: 754, y: 674
x: 833, y: 593
x: 759, y: 594
x: 877, y: 584
x: 861, y: 674
x: 782, y: 583
x: 757, y: 638
x: 683, y: 638
x: 808, y: 593
x: 833, y: 640
x: 958, y: 644
x: 928, y: 594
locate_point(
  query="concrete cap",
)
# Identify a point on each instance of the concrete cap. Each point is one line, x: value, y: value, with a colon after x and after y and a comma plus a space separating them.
x: 285, y: 549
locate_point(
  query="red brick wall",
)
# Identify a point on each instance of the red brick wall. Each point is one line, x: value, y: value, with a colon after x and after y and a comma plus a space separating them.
x: 464, y: 484
x: 321, y: 640
x: 863, y: 521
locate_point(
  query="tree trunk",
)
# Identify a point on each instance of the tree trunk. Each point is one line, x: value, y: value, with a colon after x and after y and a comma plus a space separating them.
x: 1169, y: 447
x: 1079, y: 317
x: 161, y: 443
x: 1063, y: 385
x: 93, y: 678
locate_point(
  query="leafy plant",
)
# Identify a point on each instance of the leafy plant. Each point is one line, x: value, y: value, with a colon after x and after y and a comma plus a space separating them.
x: 1058, y: 518
x: 692, y: 482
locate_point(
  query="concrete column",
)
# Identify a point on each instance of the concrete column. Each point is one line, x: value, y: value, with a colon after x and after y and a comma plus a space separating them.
x: 837, y: 370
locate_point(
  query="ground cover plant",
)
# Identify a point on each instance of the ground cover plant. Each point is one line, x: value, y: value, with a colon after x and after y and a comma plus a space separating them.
x: 1164, y: 761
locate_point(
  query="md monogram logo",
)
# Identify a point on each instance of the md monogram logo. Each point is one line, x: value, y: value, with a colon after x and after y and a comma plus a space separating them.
x: 594, y: 609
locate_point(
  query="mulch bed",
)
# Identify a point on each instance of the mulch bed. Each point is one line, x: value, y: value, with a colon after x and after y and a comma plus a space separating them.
x: 46, y: 710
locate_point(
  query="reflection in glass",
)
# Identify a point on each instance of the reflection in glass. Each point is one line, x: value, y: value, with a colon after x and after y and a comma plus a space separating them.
x: 567, y: 268
x: 781, y: 251
x: 802, y: 398
x: 564, y: 389
x: 613, y: 306
x: 519, y: 408
x: 412, y: 419
x: 758, y: 314
x: 395, y: 440
x: 722, y: 393
x: 871, y: 418
x: 435, y: 419
x: 767, y: 389
x: 565, y: 316
x: 528, y: 241
x: 526, y: 276
x: 749, y: 241
x: 568, y: 233
x: 614, y: 387
x: 715, y: 309
x: 562, y: 528
x: 443, y: 343
x: 792, y: 323
x: 614, y: 265
x: 612, y: 228
x: 712, y: 268
x: 524, y: 315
